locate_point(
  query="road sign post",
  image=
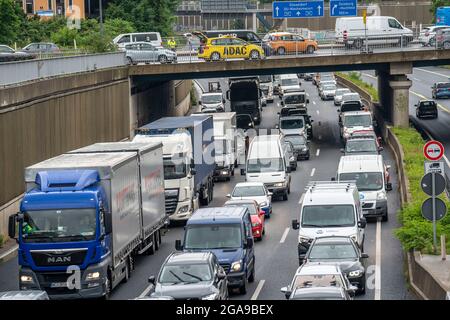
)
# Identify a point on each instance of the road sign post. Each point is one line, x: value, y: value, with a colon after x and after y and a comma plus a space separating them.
x: 297, y: 9
x: 365, y: 29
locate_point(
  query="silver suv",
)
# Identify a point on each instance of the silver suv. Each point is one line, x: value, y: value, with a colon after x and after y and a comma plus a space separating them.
x: 145, y: 52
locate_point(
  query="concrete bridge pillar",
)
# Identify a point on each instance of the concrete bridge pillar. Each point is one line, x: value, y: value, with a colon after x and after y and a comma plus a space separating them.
x: 384, y: 94
x: 400, y: 100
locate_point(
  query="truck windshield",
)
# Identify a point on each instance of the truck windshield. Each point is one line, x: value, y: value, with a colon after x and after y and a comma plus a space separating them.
x: 174, y: 169
x: 185, y: 273
x: 365, y: 181
x: 292, y: 123
x: 358, y: 121
x: 217, y: 236
x: 298, y: 98
x: 60, y: 225
x: 214, y: 98
x: 264, y: 165
x: 323, y: 216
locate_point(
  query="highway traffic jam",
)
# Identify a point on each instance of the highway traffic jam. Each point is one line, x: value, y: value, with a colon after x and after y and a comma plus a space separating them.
x: 259, y: 161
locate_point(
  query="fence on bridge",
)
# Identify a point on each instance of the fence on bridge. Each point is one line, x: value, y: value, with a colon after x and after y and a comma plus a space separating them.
x: 22, y: 71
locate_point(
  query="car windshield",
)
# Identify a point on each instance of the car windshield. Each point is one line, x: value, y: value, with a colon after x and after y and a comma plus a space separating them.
x: 298, y: 98
x: 244, y: 122
x: 361, y: 146
x: 185, y: 273
x: 365, y: 181
x: 341, y: 92
x: 319, y: 280
x: 296, y: 140
x: 220, y: 146
x: 174, y: 169
x: 350, y: 97
x: 358, y: 121
x: 322, y: 216
x: 329, y: 251
x: 215, y: 98
x: 217, y: 236
x: 329, y: 87
x: 264, y: 165
x: 265, y: 79
x: 6, y: 49
x: 248, y: 191
x: 292, y: 123
x: 326, y: 77
x: 351, y: 106
x: 59, y: 225
x: 289, y: 82
x: 251, y: 207
x: 428, y: 104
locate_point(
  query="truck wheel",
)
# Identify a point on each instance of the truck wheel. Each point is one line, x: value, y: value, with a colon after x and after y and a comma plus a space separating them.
x: 127, y: 272
x: 156, y: 240
x: 107, y: 287
x: 152, y: 249
x: 211, y: 191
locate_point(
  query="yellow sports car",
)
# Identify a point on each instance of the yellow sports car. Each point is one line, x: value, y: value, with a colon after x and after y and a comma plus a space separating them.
x: 214, y: 49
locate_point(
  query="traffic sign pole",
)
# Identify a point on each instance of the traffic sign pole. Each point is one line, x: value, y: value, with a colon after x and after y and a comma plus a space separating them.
x: 433, y: 197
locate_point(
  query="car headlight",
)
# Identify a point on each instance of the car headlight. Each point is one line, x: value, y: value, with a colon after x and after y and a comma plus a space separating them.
x: 304, y: 149
x: 381, y: 195
x: 93, y: 276
x: 28, y: 279
x: 212, y: 296
x: 355, y: 273
x: 263, y: 204
x: 304, y: 239
x: 279, y: 184
x: 236, y: 266
x: 183, y: 209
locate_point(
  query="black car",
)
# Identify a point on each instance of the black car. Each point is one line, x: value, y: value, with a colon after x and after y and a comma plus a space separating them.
x: 349, y: 106
x: 244, y: 122
x: 308, y: 76
x: 345, y: 253
x: 191, y: 275
x: 426, y: 109
x: 301, y: 145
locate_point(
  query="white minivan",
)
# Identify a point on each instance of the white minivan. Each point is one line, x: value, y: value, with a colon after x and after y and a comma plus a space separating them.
x: 268, y: 162
x: 126, y: 38
x: 351, y: 31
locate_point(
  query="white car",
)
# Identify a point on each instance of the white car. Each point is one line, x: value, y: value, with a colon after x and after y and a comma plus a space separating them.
x: 352, y: 96
x: 292, y: 125
x: 254, y: 191
x: 427, y: 36
x: 328, y: 91
x: 338, y: 95
x: 212, y: 100
x: 287, y: 82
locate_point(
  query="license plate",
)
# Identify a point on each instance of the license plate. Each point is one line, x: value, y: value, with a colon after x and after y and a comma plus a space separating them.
x: 58, y: 285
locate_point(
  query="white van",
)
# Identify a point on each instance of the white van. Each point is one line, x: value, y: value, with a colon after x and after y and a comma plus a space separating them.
x: 329, y: 209
x: 268, y: 162
x: 380, y: 30
x: 288, y: 82
x: 126, y: 38
x: 370, y: 173
x: 353, y: 121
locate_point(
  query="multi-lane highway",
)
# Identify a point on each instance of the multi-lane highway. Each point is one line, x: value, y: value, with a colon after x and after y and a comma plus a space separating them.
x: 276, y: 255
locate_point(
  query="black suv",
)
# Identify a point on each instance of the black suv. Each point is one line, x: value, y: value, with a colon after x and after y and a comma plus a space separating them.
x: 426, y: 108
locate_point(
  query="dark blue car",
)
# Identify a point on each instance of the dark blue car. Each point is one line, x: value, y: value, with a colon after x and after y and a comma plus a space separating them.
x: 227, y: 232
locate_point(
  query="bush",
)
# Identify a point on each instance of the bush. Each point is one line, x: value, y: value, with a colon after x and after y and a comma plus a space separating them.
x: 1, y: 240
x: 355, y: 77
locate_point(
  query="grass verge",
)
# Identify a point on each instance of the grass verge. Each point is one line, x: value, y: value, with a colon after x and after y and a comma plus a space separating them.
x: 355, y: 77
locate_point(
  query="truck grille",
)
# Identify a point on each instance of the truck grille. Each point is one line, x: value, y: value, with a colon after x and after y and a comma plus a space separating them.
x: 367, y: 205
x: 171, y: 200
x: 226, y: 267
x: 59, y: 258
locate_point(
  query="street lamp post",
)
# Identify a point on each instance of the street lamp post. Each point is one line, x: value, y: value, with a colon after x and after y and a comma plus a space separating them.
x: 101, y: 16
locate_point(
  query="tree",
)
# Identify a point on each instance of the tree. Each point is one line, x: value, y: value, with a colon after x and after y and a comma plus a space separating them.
x: 10, y: 21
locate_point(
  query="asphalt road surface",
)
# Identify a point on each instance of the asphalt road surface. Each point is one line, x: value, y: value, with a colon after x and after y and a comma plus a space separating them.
x: 276, y: 254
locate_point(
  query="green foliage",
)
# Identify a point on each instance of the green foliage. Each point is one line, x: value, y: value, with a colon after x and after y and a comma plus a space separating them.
x: 193, y: 96
x: 355, y: 77
x: 10, y: 20
x: 65, y: 37
x: 2, y: 240
x: 238, y: 24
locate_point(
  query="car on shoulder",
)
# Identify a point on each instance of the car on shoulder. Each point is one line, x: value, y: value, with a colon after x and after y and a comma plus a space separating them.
x: 301, y: 145
x: 426, y: 109
x: 440, y: 90
x: 313, y: 275
x: 145, y: 52
x: 343, y: 252
x: 283, y: 43
x: 191, y: 276
x: 256, y: 214
x: 253, y: 191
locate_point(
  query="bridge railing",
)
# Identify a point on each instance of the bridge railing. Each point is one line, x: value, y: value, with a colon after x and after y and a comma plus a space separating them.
x: 22, y: 71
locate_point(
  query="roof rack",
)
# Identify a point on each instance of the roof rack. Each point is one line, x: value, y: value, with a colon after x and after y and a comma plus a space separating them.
x: 322, y: 185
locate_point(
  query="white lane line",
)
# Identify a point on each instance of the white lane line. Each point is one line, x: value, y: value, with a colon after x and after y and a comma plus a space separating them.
x: 416, y: 79
x: 285, y: 233
x: 440, y: 106
x: 258, y: 290
x: 317, y: 152
x: 313, y: 171
x: 369, y: 75
x: 318, y: 112
x: 146, y: 291
x: 378, y: 262
x: 432, y: 72
x: 314, y: 102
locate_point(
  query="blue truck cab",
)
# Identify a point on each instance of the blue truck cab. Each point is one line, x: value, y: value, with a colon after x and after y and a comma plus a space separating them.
x: 227, y: 232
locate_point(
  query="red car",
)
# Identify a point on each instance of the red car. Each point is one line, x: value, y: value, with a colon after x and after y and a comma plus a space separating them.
x: 256, y: 214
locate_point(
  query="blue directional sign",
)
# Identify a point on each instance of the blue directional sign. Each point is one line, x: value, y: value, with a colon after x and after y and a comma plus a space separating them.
x: 343, y: 8
x: 297, y: 9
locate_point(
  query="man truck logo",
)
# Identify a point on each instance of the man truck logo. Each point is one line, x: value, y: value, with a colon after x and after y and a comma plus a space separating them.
x: 59, y: 259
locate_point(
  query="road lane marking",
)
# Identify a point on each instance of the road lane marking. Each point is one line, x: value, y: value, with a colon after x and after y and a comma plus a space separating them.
x: 317, y: 152
x: 440, y: 106
x: 258, y: 290
x: 146, y: 291
x: 415, y: 79
x: 432, y: 72
x: 314, y: 102
x: 318, y: 112
x: 369, y: 75
x: 378, y: 262
x: 285, y: 233
x: 313, y: 171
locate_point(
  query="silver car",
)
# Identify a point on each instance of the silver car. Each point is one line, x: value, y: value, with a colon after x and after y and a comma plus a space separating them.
x: 145, y: 52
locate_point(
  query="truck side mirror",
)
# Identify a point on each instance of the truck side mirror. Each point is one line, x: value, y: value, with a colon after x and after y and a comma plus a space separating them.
x: 282, y: 102
x: 199, y: 103
x: 192, y: 164
x: 178, y: 245
x: 223, y: 100
x: 288, y: 170
x: 333, y: 179
x: 287, y: 292
x: 295, y: 224
x: 338, y: 110
x: 12, y: 224
x: 342, y: 150
x: 388, y: 186
x: 362, y: 223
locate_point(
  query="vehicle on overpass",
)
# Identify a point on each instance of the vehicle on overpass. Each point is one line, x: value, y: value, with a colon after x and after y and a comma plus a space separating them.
x: 282, y: 43
x: 427, y: 36
x: 315, y: 275
x: 370, y: 175
x: 426, y: 109
x: 339, y: 94
x: 343, y: 252
x: 246, y: 35
x: 9, y: 54
x: 189, y: 161
x: 355, y: 121
x: 227, y: 232
x: 144, y: 52
x: 329, y: 208
x: 379, y: 30
x: 153, y: 38
x: 92, y: 211
x: 42, y: 47
x: 443, y: 38
x: 440, y: 90
x: 244, y: 95
x: 301, y: 145
x: 253, y: 191
x: 256, y: 214
x: 268, y: 162
x: 191, y: 275
x: 212, y: 100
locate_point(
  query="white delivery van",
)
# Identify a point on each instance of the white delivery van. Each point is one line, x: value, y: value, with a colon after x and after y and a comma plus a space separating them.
x: 268, y: 162
x: 288, y: 82
x: 126, y: 38
x: 369, y: 172
x: 329, y: 209
x: 353, y: 121
x: 351, y: 31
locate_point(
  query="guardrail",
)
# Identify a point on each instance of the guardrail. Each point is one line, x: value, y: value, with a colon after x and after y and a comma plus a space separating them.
x: 29, y: 70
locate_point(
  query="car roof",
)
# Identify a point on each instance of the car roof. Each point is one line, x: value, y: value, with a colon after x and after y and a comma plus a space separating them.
x: 211, y: 93
x: 361, y: 163
x: 188, y: 257
x: 217, y: 215
x: 328, y: 193
x: 311, y: 268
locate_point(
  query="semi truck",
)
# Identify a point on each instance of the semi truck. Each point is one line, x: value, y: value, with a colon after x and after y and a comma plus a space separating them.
x: 189, y: 161
x: 85, y: 217
x: 245, y: 97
